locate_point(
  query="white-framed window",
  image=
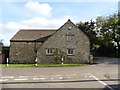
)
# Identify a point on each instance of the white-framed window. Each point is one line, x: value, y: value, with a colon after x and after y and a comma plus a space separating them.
x: 70, y: 37
x: 49, y: 51
x: 70, y: 51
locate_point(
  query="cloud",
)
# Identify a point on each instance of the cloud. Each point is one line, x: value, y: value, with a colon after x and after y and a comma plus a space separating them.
x: 13, y: 26
x: 0, y: 27
x: 40, y: 8
x: 40, y: 21
x: 10, y: 28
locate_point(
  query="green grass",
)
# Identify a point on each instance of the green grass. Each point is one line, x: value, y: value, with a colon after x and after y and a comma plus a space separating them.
x: 39, y: 65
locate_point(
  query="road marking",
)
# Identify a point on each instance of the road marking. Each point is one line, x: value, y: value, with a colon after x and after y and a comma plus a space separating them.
x: 36, y: 79
x: 42, y: 78
x: 101, y: 82
x: 74, y: 74
x: 60, y: 78
x: 22, y: 76
x: 8, y: 77
x: 68, y: 77
x: 57, y: 75
x: 21, y: 79
x: 1, y: 80
x: 52, y: 78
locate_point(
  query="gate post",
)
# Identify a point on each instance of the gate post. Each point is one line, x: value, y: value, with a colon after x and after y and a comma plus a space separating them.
x: 36, y: 62
x: 91, y: 59
x: 62, y: 60
x: 7, y: 62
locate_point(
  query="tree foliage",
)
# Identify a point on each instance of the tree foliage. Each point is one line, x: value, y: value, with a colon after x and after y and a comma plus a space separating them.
x: 1, y: 42
x: 109, y: 34
x: 104, y: 34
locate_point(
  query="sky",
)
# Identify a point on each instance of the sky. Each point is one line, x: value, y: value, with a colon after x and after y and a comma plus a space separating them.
x: 48, y: 14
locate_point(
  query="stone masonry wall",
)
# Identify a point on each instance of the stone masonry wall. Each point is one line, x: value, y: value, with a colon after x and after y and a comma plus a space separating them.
x: 23, y: 52
x: 58, y: 41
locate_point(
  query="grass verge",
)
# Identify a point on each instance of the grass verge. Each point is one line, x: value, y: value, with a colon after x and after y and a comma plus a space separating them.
x: 39, y: 65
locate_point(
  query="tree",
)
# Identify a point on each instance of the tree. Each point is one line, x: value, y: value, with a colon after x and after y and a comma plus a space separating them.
x: 109, y: 34
x: 1, y: 42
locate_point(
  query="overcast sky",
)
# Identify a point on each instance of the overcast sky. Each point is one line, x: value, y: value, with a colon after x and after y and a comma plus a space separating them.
x: 24, y: 14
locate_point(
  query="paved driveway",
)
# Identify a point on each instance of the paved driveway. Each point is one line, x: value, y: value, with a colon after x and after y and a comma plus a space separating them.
x: 103, y: 75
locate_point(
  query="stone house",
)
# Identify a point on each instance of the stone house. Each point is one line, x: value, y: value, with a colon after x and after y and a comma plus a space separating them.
x: 68, y: 43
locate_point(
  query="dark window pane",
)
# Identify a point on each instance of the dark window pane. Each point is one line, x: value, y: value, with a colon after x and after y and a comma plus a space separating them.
x: 70, y: 51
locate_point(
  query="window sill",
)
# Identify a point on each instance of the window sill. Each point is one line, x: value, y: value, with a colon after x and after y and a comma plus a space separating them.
x: 70, y: 54
x: 49, y: 54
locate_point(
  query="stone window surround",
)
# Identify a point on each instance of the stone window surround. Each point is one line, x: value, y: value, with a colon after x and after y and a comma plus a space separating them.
x: 70, y: 37
x: 70, y: 51
x: 49, y: 51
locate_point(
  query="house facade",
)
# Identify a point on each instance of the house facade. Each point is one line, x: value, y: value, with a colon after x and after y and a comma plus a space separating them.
x: 68, y: 44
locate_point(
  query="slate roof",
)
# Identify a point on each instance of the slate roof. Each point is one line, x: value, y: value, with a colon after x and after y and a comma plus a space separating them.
x: 36, y: 34
x: 32, y: 35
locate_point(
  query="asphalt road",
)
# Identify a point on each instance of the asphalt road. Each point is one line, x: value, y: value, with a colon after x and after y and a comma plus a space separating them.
x: 104, y: 76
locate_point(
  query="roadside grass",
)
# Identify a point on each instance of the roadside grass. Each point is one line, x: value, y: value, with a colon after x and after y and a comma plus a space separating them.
x: 38, y: 65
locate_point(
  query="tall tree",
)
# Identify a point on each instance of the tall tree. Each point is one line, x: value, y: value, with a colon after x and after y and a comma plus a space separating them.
x: 109, y: 33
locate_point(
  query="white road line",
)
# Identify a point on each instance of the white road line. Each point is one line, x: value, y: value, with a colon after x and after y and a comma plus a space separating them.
x: 51, y: 78
x: 60, y: 77
x: 36, y: 79
x: 1, y: 80
x: 21, y: 79
x: 57, y: 75
x: 101, y: 82
x: 42, y: 78
x: 8, y: 77
x: 23, y: 76
x: 74, y: 74
x: 68, y: 77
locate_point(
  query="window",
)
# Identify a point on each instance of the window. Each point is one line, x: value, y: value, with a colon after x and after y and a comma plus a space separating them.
x: 70, y: 51
x: 49, y: 51
x: 70, y: 37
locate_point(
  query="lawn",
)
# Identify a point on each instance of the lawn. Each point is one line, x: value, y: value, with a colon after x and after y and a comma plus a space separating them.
x: 39, y: 65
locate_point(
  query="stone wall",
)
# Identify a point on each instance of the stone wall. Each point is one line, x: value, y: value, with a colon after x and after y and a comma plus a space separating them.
x: 23, y: 52
x: 58, y: 41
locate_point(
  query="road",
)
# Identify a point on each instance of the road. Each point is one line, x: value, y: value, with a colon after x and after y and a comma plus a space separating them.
x: 103, y: 76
